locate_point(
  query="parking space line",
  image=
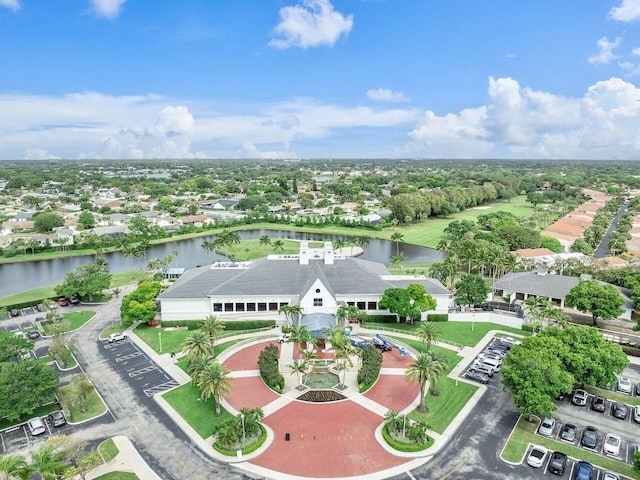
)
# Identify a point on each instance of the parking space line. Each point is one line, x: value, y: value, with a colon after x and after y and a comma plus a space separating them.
x: 150, y: 392
x: 4, y: 448
x: 129, y: 356
x: 143, y: 371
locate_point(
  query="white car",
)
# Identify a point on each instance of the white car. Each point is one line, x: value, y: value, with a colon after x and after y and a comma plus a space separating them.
x: 636, y: 413
x: 284, y: 337
x: 36, y: 426
x: 611, y: 444
x: 116, y: 337
x: 607, y: 475
x: 624, y: 385
x: 536, y: 456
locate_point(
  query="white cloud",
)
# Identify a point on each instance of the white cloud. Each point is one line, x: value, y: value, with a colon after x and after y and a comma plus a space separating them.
x: 39, y: 154
x: 636, y: 52
x: 310, y: 24
x: 628, y: 11
x: 107, y: 8
x: 605, y: 51
x: 10, y: 4
x: 386, y: 95
x: 249, y: 150
x: 522, y: 123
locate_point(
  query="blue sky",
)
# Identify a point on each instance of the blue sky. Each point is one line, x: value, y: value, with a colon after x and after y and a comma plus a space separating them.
x: 319, y: 79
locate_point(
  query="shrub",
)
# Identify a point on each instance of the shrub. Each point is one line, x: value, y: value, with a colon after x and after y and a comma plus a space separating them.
x: 529, y: 327
x: 268, y: 366
x: 404, y: 447
x: 381, y: 319
x: 438, y: 317
x: 370, y: 370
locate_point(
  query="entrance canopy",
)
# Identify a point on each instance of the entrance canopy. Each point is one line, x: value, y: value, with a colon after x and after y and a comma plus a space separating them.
x: 317, y: 323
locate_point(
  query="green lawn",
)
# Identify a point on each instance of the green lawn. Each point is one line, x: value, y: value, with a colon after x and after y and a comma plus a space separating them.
x: 462, y: 333
x: 95, y: 406
x: 250, y: 249
x: 118, y: 476
x: 183, y: 363
x: 116, y: 327
x: 172, y: 340
x: 76, y: 320
x: 108, y: 450
x: 199, y: 414
x: 525, y: 434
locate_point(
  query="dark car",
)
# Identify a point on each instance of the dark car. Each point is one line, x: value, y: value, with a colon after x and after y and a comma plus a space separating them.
x: 619, y: 410
x: 57, y: 418
x: 589, y: 437
x: 477, y: 376
x: 33, y: 334
x: 568, y: 433
x: 584, y: 471
x: 636, y: 390
x: 479, y: 367
x: 15, y: 312
x: 40, y: 307
x: 557, y: 463
x: 598, y: 404
x: 74, y: 300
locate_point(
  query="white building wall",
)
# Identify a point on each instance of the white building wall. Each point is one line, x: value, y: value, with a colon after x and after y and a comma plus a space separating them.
x: 185, y: 308
x: 318, y: 290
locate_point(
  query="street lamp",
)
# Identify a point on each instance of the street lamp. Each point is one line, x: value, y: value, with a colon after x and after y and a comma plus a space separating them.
x: 160, y: 340
x: 243, y: 434
x: 404, y: 423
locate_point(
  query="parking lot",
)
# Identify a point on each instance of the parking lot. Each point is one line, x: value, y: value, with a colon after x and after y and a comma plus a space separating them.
x: 488, y: 373
x: 19, y: 438
x: 140, y: 371
x: 570, y: 467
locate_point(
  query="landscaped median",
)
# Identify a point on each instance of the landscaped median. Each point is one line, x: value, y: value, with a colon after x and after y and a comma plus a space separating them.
x: 524, y: 434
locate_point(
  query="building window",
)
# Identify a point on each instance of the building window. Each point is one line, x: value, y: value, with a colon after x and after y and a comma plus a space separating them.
x: 251, y: 307
x: 217, y: 307
x: 362, y: 305
x: 262, y: 307
x: 372, y: 306
x: 239, y: 307
x: 273, y: 306
x: 351, y: 304
x: 317, y: 302
x: 228, y: 307
x: 283, y: 304
x: 317, y: 290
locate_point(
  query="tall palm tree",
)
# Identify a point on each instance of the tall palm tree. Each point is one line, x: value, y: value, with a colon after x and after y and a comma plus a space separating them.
x: 48, y: 461
x: 422, y: 370
x: 441, y: 364
x: 213, y: 328
x: 197, y: 365
x: 14, y: 467
x: 298, y: 367
x: 278, y: 245
x: 397, y: 237
x: 197, y: 344
x: 264, y: 240
x: 428, y: 333
x: 398, y: 260
x: 208, y: 246
x: 215, y: 382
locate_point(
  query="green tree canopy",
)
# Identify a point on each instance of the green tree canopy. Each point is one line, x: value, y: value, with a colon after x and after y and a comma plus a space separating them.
x: 600, y: 300
x: 471, y: 289
x: 87, y: 280
x: 86, y: 220
x: 45, y: 222
x: 140, y: 304
x: 407, y: 302
x: 23, y: 385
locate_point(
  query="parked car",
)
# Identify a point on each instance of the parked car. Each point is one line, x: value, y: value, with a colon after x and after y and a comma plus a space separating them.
x: 636, y: 390
x: 546, y: 426
x: 598, y: 404
x: 536, y: 456
x: 57, y: 418
x: 579, y: 398
x: 482, y: 368
x: 74, y: 300
x: 63, y: 302
x: 619, y: 410
x: 609, y: 475
x: 584, y: 471
x: 557, y: 463
x: 481, y: 363
x: 40, y: 307
x: 284, y: 337
x: 636, y: 413
x: 36, y: 426
x: 496, y: 363
x: 611, y: 444
x: 624, y: 385
x: 568, y: 433
x: 15, y: 312
x: 116, y: 337
x: 33, y: 334
x: 477, y: 376
x: 589, y: 437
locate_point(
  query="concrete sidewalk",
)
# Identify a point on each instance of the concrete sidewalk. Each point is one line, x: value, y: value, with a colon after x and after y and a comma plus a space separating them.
x: 127, y: 460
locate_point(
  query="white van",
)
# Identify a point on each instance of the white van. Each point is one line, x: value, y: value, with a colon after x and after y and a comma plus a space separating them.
x: 492, y: 362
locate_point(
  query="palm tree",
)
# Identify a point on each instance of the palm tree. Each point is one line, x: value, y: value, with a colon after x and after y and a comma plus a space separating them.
x: 397, y: 237
x: 397, y: 260
x: 208, y: 246
x: 278, y: 245
x: 422, y: 370
x: 215, y: 382
x: 394, y: 419
x: 197, y: 365
x: 48, y: 461
x: 345, y: 313
x: 363, y: 242
x: 14, y: 467
x: 441, y: 364
x: 298, y: 367
x: 264, y: 240
x: 197, y: 344
x: 428, y: 333
x: 213, y: 328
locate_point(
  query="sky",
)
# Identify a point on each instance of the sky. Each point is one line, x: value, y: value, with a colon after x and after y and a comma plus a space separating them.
x: 300, y: 79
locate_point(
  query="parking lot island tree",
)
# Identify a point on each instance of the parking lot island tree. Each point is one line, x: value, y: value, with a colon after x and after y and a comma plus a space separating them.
x: 600, y: 300
x: 87, y: 280
x: 24, y: 385
x: 471, y: 289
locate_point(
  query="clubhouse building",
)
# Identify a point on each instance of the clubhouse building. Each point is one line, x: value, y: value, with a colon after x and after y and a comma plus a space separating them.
x: 319, y: 280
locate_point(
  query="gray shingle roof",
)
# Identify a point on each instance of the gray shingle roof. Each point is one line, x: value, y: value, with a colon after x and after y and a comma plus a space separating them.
x: 532, y: 283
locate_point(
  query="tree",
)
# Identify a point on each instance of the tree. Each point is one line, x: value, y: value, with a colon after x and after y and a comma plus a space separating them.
x: 441, y: 364
x: 345, y: 313
x: 209, y: 246
x: 299, y: 335
x: 397, y: 237
x: 23, y: 386
x: 428, y: 333
x: 14, y: 467
x: 422, y: 370
x: 213, y: 328
x: 197, y: 344
x: 139, y: 305
x: 298, y: 367
x: 197, y: 365
x: 81, y: 388
x: 471, y: 289
x: 264, y: 240
x: 86, y: 220
x: 215, y: 382
x: 278, y: 244
x: 80, y: 460
x: 600, y: 300
x: 11, y: 345
x: 46, y: 222
x: 49, y: 461
x: 89, y: 280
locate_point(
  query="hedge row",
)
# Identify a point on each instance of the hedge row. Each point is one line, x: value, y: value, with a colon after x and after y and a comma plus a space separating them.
x: 247, y: 450
x: 404, y: 447
x: 370, y: 370
x: 437, y: 317
x: 268, y: 366
x: 382, y: 319
x: 228, y: 324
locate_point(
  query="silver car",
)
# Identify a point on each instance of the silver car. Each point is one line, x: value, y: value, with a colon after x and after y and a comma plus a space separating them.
x: 624, y: 385
x: 36, y: 426
x: 546, y: 426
